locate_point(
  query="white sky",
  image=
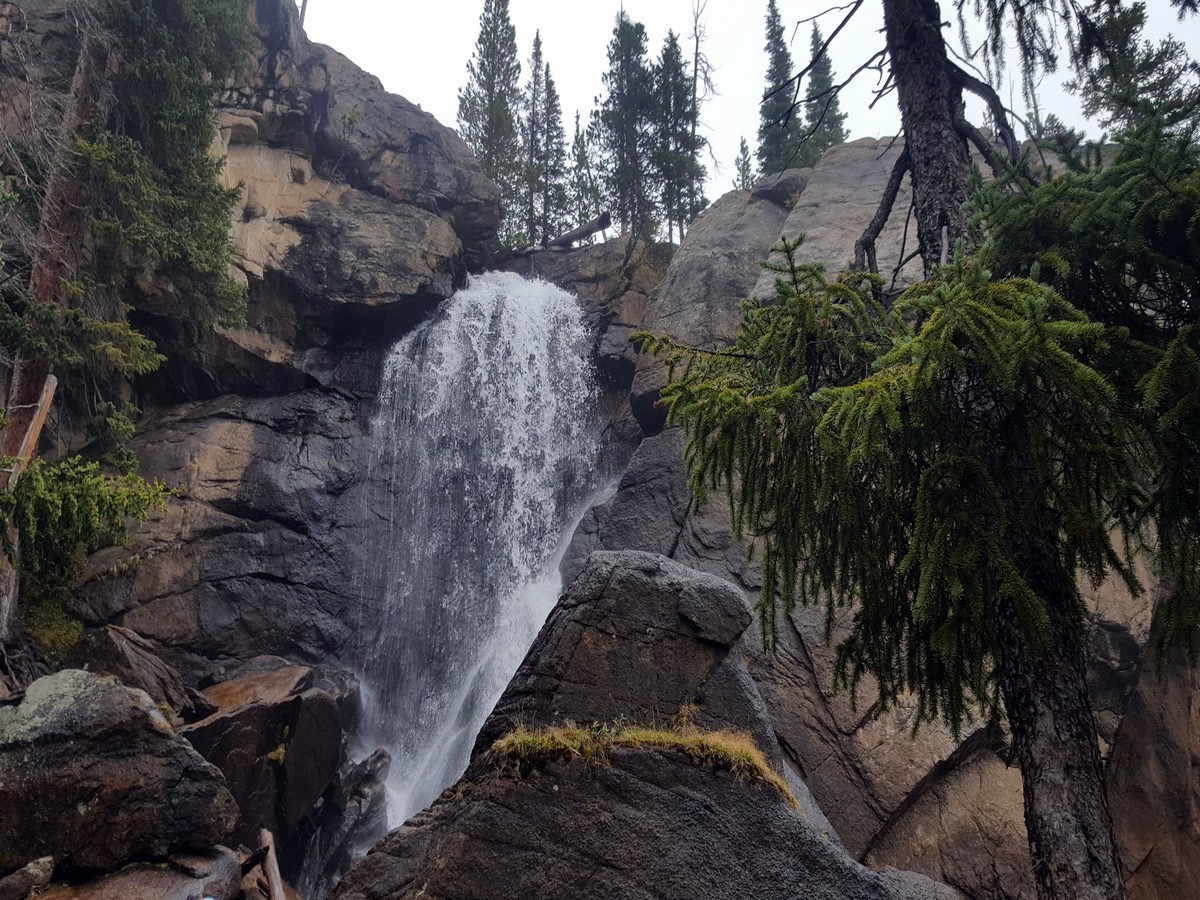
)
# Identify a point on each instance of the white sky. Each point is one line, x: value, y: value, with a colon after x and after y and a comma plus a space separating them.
x: 420, y: 50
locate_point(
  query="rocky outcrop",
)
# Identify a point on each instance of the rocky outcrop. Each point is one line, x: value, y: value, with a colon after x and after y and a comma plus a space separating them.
x: 135, y: 662
x: 949, y: 809
x: 215, y: 875
x: 636, y: 639
x: 255, y: 554
x: 101, y: 778
x: 278, y: 741
x: 697, y: 302
x: 1154, y: 783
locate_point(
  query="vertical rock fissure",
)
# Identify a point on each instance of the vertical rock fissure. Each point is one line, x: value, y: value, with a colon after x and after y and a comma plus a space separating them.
x: 483, y: 457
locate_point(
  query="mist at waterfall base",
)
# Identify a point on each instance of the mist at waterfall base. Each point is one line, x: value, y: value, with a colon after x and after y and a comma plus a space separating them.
x: 483, y: 459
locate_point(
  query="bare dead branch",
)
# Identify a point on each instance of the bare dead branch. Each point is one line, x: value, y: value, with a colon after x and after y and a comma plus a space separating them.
x: 864, y: 247
x: 981, y: 89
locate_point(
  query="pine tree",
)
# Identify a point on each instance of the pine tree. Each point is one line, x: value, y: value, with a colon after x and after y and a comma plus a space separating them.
x: 1136, y: 78
x: 743, y: 171
x: 554, y: 167
x: 946, y: 466
x: 779, y: 126
x: 584, y: 196
x: 824, y: 121
x: 487, y: 110
x: 533, y: 144
x: 623, y: 124
x: 674, y: 156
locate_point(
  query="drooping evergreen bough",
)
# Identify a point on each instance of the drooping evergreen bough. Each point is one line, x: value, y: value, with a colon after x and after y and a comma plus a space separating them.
x: 951, y: 465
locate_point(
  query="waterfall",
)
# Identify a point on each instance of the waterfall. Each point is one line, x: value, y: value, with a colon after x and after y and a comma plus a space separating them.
x: 483, y: 456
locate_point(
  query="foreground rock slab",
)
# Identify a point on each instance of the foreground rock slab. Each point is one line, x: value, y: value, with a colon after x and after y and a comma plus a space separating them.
x: 214, y: 875
x: 97, y: 777
x: 636, y: 640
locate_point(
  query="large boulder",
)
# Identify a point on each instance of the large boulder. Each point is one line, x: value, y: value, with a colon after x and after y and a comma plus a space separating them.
x: 698, y: 301
x: 135, y: 661
x: 100, y: 777
x: 636, y: 639
x: 212, y: 875
x: 278, y: 740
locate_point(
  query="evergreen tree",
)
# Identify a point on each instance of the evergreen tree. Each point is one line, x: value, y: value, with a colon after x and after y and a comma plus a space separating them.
x: 533, y: 144
x: 674, y: 156
x: 952, y: 465
x: 1135, y: 78
x: 779, y: 127
x: 487, y: 111
x: 824, y: 121
x: 743, y: 171
x: 624, y: 128
x: 554, y: 202
x: 584, y: 195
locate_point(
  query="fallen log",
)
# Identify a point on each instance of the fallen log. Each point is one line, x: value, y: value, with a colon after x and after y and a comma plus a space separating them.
x: 602, y: 221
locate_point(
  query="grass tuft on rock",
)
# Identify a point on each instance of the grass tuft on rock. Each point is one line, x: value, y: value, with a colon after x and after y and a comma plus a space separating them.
x: 725, y: 749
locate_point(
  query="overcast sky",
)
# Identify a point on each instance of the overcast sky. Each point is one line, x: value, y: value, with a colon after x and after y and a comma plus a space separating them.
x: 420, y: 50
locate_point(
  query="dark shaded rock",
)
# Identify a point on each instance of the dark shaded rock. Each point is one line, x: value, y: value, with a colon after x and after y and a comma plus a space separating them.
x: 133, y: 660
x: 349, y: 819
x: 635, y: 639
x: 257, y: 553
x: 101, y: 778
x: 279, y: 742
x: 20, y: 883
x: 648, y: 825
x: 647, y: 512
x: 215, y: 874
x: 783, y: 187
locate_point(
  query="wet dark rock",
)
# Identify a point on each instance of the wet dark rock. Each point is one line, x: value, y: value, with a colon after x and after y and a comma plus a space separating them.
x: 279, y: 742
x: 101, y: 778
x: 635, y: 639
x: 214, y: 874
x: 350, y: 817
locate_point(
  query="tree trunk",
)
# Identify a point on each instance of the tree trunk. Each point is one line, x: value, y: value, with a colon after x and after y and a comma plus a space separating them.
x: 1071, y: 841
x: 930, y: 102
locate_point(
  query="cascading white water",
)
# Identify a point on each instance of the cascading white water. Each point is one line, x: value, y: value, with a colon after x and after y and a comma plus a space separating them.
x: 484, y: 451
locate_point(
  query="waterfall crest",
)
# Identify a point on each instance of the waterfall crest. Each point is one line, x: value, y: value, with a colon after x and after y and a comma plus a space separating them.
x: 483, y: 455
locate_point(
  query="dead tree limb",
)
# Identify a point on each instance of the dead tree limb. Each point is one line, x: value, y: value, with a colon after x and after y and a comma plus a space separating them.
x: 864, y: 247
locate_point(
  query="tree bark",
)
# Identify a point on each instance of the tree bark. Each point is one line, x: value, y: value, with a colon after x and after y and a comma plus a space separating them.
x: 1071, y: 841
x: 930, y: 102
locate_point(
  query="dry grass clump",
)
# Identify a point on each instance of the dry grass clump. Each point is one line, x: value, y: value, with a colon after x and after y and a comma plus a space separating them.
x: 726, y: 749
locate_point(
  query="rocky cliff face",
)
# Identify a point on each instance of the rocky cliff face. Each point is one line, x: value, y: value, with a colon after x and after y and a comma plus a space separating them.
x: 950, y: 809
x: 636, y: 640
x: 359, y: 213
